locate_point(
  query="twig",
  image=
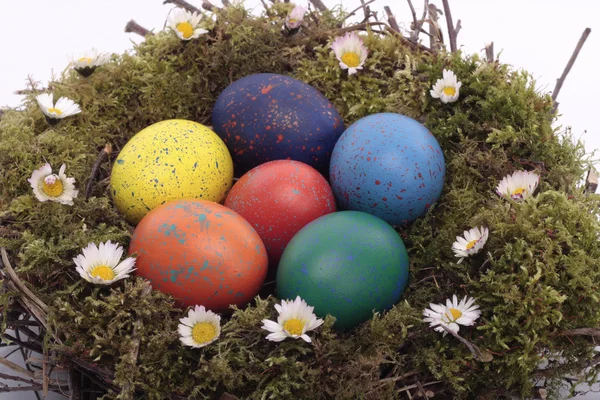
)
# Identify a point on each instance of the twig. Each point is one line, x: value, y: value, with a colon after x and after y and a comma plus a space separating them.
x: 357, y: 27
x: 591, y: 181
x: 366, y: 11
x: 489, y: 52
x: 32, y: 388
x: 417, y: 24
x: 435, y: 37
x: 32, y: 304
x: 398, y: 378
x: 478, y: 354
x: 452, y: 30
x: 404, y: 389
x: 33, y: 346
x: 391, y: 19
x: 99, y: 160
x: 414, y: 14
x: 319, y: 5
x: 131, y: 357
x: 581, y: 332
x: 208, y: 6
x: 561, y: 80
x: 363, y: 6
x: 583, y: 364
x: 15, y: 367
x: 183, y: 4
x: 134, y: 27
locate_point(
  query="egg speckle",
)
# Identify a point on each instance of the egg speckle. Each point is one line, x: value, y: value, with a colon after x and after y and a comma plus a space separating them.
x: 265, y: 117
x: 170, y: 160
x: 387, y: 165
x: 279, y: 198
x: 200, y: 252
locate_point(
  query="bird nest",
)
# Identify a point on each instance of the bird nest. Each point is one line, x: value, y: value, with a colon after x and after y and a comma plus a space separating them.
x: 536, y: 281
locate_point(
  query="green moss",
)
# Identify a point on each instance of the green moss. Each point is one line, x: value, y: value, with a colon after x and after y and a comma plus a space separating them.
x: 537, y: 277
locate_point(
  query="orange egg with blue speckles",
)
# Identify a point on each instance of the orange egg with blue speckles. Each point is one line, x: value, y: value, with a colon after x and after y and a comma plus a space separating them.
x: 266, y: 117
x: 201, y: 252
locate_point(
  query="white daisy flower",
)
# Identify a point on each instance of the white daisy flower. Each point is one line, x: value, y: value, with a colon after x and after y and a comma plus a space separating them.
x: 200, y: 328
x: 64, y: 107
x: 48, y: 186
x: 452, y: 314
x: 294, y: 320
x: 518, y: 186
x: 101, y: 265
x: 446, y: 89
x: 350, y: 51
x: 470, y: 243
x: 185, y: 24
x: 87, y: 63
x: 295, y: 17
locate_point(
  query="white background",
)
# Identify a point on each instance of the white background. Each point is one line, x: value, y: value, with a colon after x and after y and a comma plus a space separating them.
x: 37, y: 38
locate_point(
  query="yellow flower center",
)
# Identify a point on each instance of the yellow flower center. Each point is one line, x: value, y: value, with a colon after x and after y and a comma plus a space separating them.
x: 186, y: 29
x: 472, y: 244
x: 55, y: 111
x: 86, y: 60
x: 351, y: 59
x: 52, y: 187
x: 293, y: 326
x: 449, y: 91
x: 456, y: 314
x: 203, y: 332
x: 103, y: 272
x: 292, y: 20
x: 518, y: 194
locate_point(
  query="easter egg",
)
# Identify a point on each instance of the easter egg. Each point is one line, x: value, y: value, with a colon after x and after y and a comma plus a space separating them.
x: 265, y: 117
x: 201, y: 252
x: 279, y: 198
x: 346, y: 264
x: 169, y: 160
x: 388, y: 165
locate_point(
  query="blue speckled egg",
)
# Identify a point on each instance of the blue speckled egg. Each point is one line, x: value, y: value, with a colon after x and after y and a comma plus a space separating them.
x: 388, y: 165
x: 346, y: 264
x: 265, y: 117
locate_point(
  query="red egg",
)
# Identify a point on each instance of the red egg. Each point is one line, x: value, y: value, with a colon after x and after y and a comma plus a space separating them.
x: 278, y: 198
x: 200, y: 252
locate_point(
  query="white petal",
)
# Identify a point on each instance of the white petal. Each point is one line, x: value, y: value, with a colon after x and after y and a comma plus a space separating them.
x: 276, y: 337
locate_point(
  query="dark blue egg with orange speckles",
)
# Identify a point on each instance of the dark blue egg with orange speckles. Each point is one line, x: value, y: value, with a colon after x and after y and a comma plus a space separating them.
x: 265, y: 117
x: 387, y: 165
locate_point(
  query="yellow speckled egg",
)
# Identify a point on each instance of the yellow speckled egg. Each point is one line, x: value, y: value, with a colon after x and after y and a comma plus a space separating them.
x: 170, y: 160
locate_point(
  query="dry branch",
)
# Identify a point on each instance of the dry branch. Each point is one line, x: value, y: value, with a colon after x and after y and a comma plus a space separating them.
x: 99, y: 160
x: 183, y: 4
x: 15, y: 367
x: 366, y: 10
x: 319, y: 5
x: 561, y: 80
x: 30, y: 301
x: 452, y: 30
x: 582, y: 332
x: 391, y: 19
x: 132, y: 356
x: 134, y: 27
x: 417, y: 24
x: 489, y: 52
x: 435, y: 33
x: 591, y: 182
x: 364, y: 7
